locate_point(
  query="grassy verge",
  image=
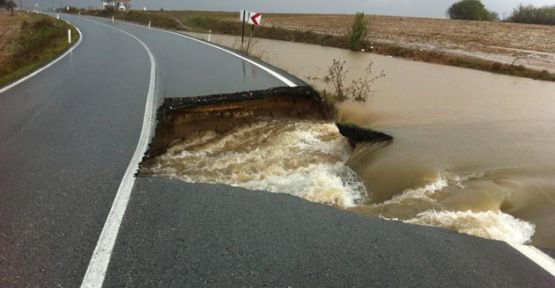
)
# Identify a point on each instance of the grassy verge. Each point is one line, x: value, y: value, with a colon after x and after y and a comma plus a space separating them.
x: 205, y: 21
x: 40, y: 40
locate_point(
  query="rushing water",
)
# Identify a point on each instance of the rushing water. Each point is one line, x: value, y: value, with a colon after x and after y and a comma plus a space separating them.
x: 302, y: 158
x: 473, y: 151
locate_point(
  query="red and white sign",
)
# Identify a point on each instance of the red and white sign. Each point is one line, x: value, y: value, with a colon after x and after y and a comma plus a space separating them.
x: 253, y: 18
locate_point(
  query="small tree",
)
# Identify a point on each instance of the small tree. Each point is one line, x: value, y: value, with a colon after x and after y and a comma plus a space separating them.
x: 10, y: 5
x: 471, y: 10
x: 358, y: 33
x: 2, y: 3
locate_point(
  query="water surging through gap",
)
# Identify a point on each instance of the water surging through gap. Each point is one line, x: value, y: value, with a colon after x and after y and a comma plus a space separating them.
x: 285, y: 147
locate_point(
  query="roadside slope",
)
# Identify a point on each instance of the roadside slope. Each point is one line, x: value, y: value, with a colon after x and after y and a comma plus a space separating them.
x: 30, y: 41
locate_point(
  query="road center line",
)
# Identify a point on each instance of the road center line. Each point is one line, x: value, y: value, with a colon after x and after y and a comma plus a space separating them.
x: 98, y: 265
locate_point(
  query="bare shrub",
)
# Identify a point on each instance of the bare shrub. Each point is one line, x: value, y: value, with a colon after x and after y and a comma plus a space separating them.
x: 252, y: 45
x: 255, y: 49
x: 359, y: 90
x: 336, y: 78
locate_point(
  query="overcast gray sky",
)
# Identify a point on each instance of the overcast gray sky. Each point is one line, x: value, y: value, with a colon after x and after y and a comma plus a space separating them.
x: 417, y: 8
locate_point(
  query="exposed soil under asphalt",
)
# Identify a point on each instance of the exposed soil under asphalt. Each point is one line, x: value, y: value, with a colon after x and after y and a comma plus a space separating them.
x: 179, y: 118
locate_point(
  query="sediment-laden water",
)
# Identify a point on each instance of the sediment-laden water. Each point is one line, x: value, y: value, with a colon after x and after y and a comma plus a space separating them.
x: 313, y: 161
x: 473, y: 152
x: 302, y: 158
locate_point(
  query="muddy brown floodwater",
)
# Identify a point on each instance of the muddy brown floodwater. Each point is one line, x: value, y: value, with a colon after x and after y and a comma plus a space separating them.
x: 473, y: 151
x: 278, y: 140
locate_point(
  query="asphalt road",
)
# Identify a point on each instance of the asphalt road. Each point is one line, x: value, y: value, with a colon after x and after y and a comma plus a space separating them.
x: 66, y: 138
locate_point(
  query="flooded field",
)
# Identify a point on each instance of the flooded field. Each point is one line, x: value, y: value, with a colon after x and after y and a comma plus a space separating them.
x: 498, y: 41
x: 524, y: 44
x: 473, y: 151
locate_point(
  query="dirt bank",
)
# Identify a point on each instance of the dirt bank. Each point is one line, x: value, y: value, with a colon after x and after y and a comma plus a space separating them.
x: 29, y: 41
x: 182, y: 118
x: 9, y: 30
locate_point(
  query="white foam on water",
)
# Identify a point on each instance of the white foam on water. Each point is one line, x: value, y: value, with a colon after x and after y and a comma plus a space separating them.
x: 318, y: 183
x: 427, y: 194
x: 422, y: 194
x: 494, y: 225
x: 488, y: 224
x: 301, y: 158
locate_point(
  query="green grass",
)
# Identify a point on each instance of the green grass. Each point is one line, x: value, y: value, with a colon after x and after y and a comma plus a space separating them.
x: 41, y: 39
x: 223, y: 23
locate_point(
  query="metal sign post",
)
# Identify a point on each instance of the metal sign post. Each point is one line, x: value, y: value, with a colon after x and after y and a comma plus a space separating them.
x: 243, y: 18
x: 252, y: 18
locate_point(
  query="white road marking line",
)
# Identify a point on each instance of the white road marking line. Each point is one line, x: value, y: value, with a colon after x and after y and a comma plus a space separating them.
x: 270, y: 71
x: 98, y: 265
x: 537, y: 256
x: 10, y: 86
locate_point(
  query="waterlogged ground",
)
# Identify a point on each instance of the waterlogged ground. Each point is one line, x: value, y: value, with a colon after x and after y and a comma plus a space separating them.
x: 473, y: 151
x: 523, y: 44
